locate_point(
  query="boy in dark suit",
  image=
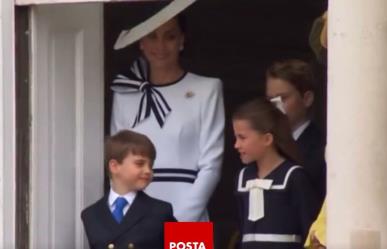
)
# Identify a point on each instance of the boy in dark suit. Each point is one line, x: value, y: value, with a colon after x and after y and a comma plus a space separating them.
x: 293, y: 81
x: 127, y: 217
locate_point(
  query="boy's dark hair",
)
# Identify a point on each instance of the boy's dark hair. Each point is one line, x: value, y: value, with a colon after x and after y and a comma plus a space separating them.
x: 118, y: 146
x: 296, y: 72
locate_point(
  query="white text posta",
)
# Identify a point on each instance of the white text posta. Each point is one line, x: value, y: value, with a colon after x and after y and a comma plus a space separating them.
x: 187, y: 245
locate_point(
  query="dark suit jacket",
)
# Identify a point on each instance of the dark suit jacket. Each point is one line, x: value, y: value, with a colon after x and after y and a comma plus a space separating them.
x: 312, y: 147
x: 142, y: 226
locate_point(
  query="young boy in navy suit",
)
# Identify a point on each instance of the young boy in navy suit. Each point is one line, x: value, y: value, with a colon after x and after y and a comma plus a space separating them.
x: 293, y: 81
x: 127, y: 217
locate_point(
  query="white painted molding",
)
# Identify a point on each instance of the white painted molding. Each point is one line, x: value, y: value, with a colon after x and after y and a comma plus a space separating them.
x: 7, y: 125
x: 79, y: 137
x: 67, y: 127
x: 33, y: 2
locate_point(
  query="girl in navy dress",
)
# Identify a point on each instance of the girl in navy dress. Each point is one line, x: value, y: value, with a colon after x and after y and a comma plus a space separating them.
x: 276, y: 198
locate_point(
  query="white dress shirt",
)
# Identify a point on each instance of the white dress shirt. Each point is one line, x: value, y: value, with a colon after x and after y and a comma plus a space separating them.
x: 297, y: 132
x: 113, y: 196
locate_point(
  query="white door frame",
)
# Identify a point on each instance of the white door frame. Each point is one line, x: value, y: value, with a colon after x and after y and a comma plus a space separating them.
x: 7, y: 124
x: 8, y: 120
x: 36, y: 2
x: 67, y: 106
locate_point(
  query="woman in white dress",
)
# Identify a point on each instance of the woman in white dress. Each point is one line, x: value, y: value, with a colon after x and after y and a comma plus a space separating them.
x: 181, y: 112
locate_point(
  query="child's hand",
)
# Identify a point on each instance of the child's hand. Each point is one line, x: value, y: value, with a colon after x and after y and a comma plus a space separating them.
x: 315, y: 243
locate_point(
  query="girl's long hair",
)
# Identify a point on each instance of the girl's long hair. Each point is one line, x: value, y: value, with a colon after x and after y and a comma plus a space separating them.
x: 264, y: 117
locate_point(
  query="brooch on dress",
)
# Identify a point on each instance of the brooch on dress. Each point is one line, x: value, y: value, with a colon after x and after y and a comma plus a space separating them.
x: 189, y: 94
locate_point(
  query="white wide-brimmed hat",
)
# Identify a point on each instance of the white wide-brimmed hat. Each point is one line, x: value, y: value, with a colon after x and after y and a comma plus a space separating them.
x: 128, y: 37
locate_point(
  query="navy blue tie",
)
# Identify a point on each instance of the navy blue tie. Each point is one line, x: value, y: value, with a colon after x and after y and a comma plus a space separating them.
x: 118, y: 212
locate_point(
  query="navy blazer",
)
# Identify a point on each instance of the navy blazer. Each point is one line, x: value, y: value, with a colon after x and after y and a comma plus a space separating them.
x: 312, y: 147
x: 141, y: 228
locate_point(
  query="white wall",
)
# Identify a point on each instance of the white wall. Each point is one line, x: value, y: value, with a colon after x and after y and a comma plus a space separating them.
x: 7, y: 125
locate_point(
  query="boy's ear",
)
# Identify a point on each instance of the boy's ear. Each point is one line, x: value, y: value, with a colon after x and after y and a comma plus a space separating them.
x: 308, y: 98
x: 269, y: 140
x: 113, y: 165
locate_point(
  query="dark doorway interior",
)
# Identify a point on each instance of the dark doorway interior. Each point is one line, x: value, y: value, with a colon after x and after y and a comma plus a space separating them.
x: 23, y: 132
x: 235, y: 41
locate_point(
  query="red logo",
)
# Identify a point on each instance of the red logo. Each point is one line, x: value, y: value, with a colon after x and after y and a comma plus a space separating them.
x: 188, y: 235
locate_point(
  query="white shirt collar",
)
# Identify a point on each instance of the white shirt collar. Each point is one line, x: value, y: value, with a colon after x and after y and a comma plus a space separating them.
x: 128, y: 196
x: 297, y: 132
